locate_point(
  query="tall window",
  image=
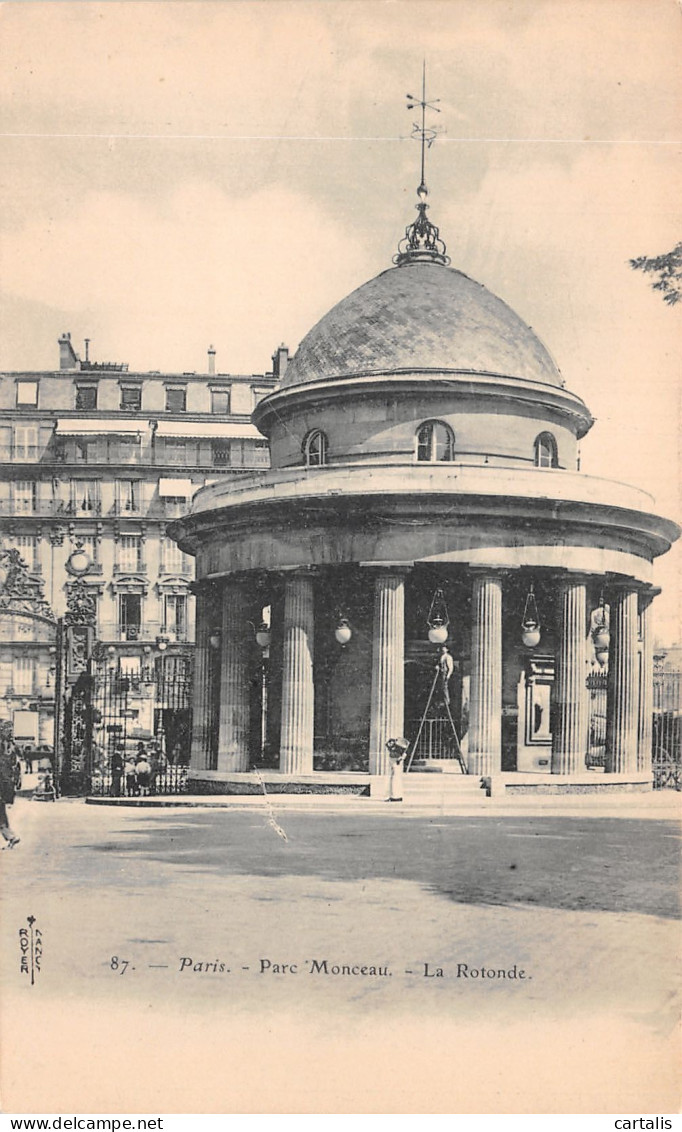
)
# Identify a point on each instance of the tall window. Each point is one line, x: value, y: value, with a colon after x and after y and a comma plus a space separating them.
x: 128, y: 497
x: 222, y: 453
x: 435, y: 443
x: 130, y: 616
x: 546, y: 451
x: 85, y: 497
x: 86, y: 398
x: 27, y: 394
x: 23, y: 674
x: 85, y: 450
x: 176, y: 398
x: 28, y: 547
x: 25, y: 442
x: 175, y: 451
x: 24, y: 496
x: 130, y: 553
x: 220, y: 401
x: 175, y: 615
x: 259, y: 453
x: 172, y: 558
x: 315, y: 449
x: 131, y: 398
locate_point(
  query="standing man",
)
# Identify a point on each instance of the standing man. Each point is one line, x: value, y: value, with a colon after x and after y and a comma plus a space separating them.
x: 397, y: 748
x: 446, y: 667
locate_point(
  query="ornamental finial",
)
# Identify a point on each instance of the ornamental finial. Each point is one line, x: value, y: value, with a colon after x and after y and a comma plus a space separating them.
x: 422, y: 241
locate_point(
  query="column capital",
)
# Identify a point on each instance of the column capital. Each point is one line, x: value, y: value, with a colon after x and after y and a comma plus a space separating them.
x: 575, y: 577
x: 620, y: 584
x: 379, y: 568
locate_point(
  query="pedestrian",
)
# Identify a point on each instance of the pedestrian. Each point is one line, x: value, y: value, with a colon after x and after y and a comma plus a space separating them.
x: 142, y: 771
x: 446, y: 667
x: 397, y: 749
x: 155, y: 766
x: 131, y: 776
x: 116, y: 773
x: 8, y: 761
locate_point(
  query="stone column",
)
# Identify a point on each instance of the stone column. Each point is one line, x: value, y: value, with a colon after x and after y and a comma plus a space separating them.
x: 571, y: 716
x: 646, y: 684
x: 485, y: 705
x: 622, y: 687
x: 387, y: 695
x: 233, y: 729
x: 298, y: 691
x: 201, y: 722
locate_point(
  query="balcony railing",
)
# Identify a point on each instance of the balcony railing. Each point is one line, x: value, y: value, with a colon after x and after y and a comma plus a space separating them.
x: 194, y: 456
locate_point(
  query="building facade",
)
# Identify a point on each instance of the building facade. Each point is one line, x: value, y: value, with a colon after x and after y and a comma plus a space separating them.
x: 94, y: 461
x: 424, y: 502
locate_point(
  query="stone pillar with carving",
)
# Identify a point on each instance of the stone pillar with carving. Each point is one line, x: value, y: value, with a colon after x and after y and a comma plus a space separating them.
x: 622, y: 698
x: 387, y: 702
x: 646, y: 683
x: 571, y: 710
x: 234, y: 719
x: 485, y: 708
x: 298, y: 692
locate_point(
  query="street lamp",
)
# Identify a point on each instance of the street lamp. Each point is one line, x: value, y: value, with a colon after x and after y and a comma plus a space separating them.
x: 343, y: 631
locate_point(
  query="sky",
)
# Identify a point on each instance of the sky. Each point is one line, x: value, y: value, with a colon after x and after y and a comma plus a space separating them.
x: 174, y: 175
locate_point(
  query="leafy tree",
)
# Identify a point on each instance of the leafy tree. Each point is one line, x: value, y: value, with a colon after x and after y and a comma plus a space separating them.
x: 668, y: 268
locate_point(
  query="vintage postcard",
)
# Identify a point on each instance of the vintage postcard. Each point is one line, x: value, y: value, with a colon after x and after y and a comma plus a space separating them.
x: 340, y: 643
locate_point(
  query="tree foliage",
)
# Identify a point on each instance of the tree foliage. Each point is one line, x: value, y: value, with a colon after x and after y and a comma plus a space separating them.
x: 668, y: 268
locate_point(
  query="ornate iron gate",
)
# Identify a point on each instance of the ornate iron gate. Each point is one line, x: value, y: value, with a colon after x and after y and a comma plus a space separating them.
x: 667, y: 731
x: 141, y: 713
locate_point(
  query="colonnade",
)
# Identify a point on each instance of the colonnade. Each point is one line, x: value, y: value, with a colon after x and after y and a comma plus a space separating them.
x: 629, y: 694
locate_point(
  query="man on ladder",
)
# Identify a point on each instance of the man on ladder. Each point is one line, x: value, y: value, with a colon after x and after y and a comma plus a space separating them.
x: 444, y: 669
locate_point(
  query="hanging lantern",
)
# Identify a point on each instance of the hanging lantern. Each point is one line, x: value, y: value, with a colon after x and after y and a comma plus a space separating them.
x: 437, y: 619
x: 600, y: 633
x: 214, y: 639
x: 530, y: 622
x: 263, y: 635
x: 343, y: 631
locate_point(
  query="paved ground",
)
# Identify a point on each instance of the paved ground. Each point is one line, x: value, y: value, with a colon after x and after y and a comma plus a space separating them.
x: 208, y: 906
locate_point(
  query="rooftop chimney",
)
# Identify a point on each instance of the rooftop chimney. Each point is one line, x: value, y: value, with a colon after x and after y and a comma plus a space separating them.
x: 280, y: 361
x: 68, y: 358
x: 211, y: 359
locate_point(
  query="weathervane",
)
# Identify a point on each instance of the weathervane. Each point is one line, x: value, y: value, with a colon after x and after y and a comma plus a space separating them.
x: 422, y: 241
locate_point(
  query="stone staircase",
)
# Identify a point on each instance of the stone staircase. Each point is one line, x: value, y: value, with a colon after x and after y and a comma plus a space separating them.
x: 436, y: 785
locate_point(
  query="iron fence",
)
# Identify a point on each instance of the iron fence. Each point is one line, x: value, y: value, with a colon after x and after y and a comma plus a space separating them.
x: 142, y: 716
x: 667, y: 731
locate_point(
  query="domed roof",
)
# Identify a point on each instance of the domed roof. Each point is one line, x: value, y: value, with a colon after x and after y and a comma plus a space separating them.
x: 421, y: 316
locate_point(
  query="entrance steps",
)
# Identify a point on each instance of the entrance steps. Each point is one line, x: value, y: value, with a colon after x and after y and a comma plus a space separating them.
x: 431, y: 788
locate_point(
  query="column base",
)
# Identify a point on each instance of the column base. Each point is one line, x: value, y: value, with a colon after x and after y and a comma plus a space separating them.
x: 588, y: 782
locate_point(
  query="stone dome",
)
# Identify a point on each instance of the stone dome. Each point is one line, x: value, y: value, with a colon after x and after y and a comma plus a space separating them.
x: 421, y: 316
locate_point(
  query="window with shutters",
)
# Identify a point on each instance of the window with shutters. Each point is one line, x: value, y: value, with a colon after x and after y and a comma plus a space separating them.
x: 85, y: 497
x: 546, y: 455
x: 130, y: 616
x: 175, y: 616
x: 131, y: 398
x: 435, y: 443
x: 128, y: 497
x: 24, y: 497
x: 25, y: 442
x: 130, y: 554
x: 86, y: 398
x: 176, y: 398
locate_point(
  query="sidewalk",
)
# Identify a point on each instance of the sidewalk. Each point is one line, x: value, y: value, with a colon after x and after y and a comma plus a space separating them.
x: 662, y: 805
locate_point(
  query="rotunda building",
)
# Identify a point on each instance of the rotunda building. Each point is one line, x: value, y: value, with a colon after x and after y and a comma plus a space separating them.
x: 430, y: 562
